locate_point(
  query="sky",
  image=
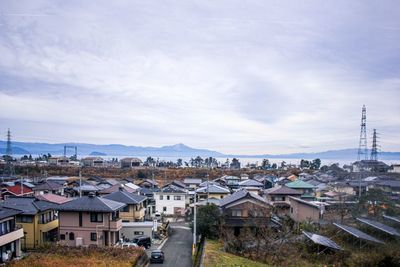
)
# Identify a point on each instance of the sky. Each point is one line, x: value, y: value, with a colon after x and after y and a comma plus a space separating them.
x: 244, y: 77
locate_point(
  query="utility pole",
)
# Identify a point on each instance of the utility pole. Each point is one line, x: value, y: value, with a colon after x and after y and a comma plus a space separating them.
x: 194, y: 223
x: 80, y: 183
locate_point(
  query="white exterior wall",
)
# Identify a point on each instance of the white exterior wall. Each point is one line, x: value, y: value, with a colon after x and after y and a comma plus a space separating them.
x: 170, y: 204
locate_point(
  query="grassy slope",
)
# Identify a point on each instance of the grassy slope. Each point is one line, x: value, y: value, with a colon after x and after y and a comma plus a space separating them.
x: 214, y: 257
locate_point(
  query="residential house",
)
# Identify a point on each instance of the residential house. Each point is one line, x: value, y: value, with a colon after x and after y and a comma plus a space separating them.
x: 370, y: 165
x: 212, y: 191
x: 37, y: 218
x: 251, y: 185
x: 16, y: 190
x: 134, y: 211
x: 171, y: 200
x: 90, y: 220
x: 243, y: 211
x: 231, y: 181
x: 390, y: 187
x: 278, y: 197
x: 301, y: 210
x: 49, y: 187
x: 10, y: 234
x: 93, y: 162
x: 148, y: 183
x: 177, y: 183
x: 116, y: 188
x: 56, y: 199
x: 192, y: 183
x: 130, y: 162
x: 395, y: 168
x: 58, y: 161
x: 307, y: 190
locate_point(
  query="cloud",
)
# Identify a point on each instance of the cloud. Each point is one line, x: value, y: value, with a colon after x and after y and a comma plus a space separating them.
x: 260, y: 77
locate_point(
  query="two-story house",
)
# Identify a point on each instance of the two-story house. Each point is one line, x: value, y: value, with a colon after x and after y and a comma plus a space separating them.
x: 307, y: 189
x: 10, y: 234
x: 278, y: 197
x: 134, y: 211
x: 49, y: 187
x: 37, y: 218
x: 211, y: 190
x: 171, y: 200
x: 90, y: 220
x: 244, y: 210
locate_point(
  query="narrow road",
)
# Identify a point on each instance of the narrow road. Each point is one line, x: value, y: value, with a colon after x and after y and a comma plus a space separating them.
x: 178, y: 248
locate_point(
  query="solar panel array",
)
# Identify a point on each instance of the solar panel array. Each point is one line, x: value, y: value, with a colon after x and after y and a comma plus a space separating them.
x: 322, y: 240
x: 357, y: 233
x: 392, y: 218
x: 380, y: 226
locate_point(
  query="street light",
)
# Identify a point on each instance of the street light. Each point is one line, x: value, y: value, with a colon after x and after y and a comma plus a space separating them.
x: 194, y: 224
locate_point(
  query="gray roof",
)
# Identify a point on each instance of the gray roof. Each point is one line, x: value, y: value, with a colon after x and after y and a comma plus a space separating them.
x: 48, y: 185
x: 7, y: 212
x: 125, y: 197
x: 282, y: 190
x: 214, y: 189
x: 250, y: 182
x: 91, y: 203
x: 239, y: 195
x: 172, y: 189
x: 192, y: 181
x: 28, y: 205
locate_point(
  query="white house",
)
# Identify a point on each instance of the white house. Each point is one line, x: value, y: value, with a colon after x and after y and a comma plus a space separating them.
x: 171, y: 200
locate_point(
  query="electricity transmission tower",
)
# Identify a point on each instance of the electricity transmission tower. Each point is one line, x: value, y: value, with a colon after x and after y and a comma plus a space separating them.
x: 9, y: 166
x: 362, y: 147
x: 374, y: 150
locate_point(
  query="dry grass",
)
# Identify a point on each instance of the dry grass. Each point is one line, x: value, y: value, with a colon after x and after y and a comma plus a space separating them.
x: 214, y: 257
x: 65, y: 256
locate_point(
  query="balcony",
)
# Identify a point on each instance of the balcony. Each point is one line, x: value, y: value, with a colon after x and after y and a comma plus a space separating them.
x: 116, y: 224
x: 11, y: 236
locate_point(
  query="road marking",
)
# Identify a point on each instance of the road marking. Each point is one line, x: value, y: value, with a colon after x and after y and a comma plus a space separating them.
x: 163, y: 243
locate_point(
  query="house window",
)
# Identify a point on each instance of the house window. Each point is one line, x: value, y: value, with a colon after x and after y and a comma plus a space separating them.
x: 177, y: 197
x: 71, y: 236
x: 93, y: 237
x: 125, y: 209
x: 25, y: 219
x: 138, y: 233
x: 236, y: 213
x: 62, y: 237
x: 161, y: 197
x: 80, y: 219
x: 272, y: 198
x: 291, y: 209
x: 167, y: 197
x: 96, y: 217
x: 164, y: 208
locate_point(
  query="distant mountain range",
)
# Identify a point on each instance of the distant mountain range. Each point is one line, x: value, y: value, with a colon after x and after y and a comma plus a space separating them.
x: 178, y: 150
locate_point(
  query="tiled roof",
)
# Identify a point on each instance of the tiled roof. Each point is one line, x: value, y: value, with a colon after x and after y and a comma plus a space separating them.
x: 53, y: 198
x: 7, y: 212
x: 282, y: 190
x: 172, y: 189
x: 192, y: 181
x: 299, y: 184
x: 28, y: 205
x: 91, y: 203
x: 125, y: 197
x: 215, y: 189
x: 48, y: 185
x: 239, y: 195
x: 251, y: 182
x: 178, y: 183
x: 16, y: 190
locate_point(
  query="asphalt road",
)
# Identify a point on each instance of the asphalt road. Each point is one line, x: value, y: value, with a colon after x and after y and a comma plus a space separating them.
x: 178, y: 248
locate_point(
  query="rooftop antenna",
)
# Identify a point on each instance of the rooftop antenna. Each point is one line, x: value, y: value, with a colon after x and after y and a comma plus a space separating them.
x: 374, y: 150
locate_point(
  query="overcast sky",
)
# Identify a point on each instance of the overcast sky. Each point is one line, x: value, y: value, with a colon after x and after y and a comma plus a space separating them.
x: 244, y: 77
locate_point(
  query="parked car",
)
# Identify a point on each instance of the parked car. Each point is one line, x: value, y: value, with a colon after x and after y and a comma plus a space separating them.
x: 142, y: 241
x: 157, y: 256
x: 129, y: 244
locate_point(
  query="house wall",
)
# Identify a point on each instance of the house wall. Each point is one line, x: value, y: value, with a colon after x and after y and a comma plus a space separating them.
x: 203, y: 196
x: 129, y: 231
x: 300, y: 212
x: 170, y: 204
x: 133, y: 215
x: 69, y: 222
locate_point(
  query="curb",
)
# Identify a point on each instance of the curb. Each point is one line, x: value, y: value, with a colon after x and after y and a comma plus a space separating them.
x: 163, y: 243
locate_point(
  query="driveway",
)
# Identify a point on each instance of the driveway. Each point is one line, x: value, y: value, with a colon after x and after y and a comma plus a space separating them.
x: 178, y: 248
